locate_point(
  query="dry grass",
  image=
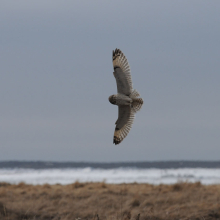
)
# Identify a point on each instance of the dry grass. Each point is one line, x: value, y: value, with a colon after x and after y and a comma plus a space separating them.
x: 111, y: 202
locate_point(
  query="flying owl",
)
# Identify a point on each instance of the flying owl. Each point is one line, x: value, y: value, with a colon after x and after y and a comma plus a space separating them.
x: 128, y: 99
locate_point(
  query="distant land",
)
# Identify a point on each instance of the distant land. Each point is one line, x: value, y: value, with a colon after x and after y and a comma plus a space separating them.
x: 155, y: 164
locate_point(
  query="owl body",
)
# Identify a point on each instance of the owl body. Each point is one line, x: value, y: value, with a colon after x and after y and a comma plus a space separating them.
x: 120, y: 99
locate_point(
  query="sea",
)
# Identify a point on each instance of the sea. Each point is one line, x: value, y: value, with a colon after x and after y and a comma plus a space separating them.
x: 162, y: 172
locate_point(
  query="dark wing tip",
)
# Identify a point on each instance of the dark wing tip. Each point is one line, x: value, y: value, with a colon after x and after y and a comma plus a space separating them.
x: 116, y: 140
x: 113, y: 53
x: 116, y: 53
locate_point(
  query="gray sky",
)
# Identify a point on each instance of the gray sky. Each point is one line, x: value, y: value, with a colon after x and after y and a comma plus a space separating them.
x: 56, y: 77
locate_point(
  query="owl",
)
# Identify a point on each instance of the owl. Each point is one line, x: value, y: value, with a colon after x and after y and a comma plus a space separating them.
x: 127, y: 99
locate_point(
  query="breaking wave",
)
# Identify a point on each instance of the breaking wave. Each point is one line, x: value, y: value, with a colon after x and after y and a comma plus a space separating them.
x: 117, y: 175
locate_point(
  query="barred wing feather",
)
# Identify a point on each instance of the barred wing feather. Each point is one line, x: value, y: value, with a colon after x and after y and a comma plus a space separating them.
x: 124, y: 123
x: 122, y: 72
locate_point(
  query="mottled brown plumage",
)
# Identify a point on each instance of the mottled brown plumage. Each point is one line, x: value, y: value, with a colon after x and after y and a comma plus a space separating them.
x: 127, y: 99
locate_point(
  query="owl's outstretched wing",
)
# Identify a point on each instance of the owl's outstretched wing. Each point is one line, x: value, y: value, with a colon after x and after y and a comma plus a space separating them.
x: 122, y: 72
x: 123, y: 124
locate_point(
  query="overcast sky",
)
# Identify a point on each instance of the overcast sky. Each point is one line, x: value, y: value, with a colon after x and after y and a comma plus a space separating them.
x: 56, y: 76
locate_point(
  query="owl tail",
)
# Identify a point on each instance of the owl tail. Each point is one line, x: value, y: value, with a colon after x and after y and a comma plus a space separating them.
x: 137, y: 101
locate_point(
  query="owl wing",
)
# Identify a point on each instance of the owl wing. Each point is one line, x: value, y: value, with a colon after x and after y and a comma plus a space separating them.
x: 123, y: 124
x: 122, y: 72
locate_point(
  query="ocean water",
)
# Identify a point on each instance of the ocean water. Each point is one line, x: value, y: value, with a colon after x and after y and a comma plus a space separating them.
x: 117, y: 175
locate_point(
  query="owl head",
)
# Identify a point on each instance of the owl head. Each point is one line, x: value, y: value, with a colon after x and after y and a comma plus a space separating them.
x: 112, y: 99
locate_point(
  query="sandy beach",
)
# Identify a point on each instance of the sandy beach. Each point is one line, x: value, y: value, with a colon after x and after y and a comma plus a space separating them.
x: 109, y: 201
